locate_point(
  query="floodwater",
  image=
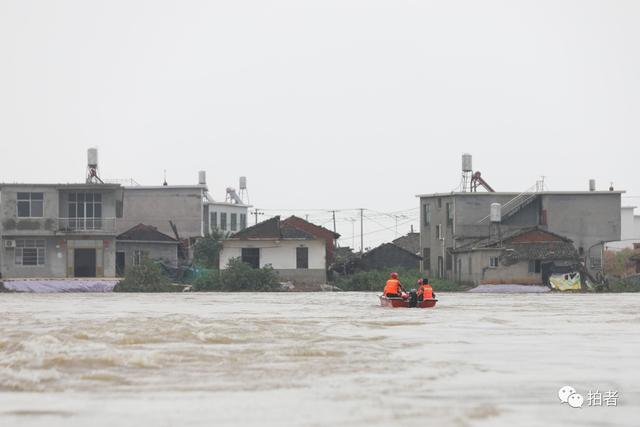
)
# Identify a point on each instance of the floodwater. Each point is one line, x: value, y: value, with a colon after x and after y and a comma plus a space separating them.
x: 317, y: 359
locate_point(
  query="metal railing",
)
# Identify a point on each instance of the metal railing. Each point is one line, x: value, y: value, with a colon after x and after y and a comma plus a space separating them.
x: 86, y: 225
x: 513, y: 204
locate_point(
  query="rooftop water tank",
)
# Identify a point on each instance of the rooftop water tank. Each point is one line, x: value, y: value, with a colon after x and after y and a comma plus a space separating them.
x: 467, y: 165
x: 592, y: 185
x: 495, y: 213
x: 92, y: 157
x: 202, y: 178
x: 243, y: 182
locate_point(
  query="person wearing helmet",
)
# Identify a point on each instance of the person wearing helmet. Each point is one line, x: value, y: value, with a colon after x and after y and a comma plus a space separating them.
x: 393, y: 288
x: 425, y: 291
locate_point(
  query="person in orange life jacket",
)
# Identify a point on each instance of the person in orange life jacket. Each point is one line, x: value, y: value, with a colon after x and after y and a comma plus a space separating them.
x: 393, y: 288
x: 425, y: 291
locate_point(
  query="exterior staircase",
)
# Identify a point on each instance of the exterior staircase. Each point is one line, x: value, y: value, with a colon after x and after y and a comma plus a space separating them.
x: 516, y: 204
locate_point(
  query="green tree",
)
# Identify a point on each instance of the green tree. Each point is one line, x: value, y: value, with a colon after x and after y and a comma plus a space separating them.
x: 146, y: 277
x: 206, y: 252
x: 239, y: 277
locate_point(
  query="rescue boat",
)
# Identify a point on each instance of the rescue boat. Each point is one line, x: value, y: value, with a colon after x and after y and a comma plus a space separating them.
x: 404, y: 302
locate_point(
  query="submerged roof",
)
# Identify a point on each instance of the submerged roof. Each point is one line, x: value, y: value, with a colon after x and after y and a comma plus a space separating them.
x: 146, y: 233
x: 273, y: 229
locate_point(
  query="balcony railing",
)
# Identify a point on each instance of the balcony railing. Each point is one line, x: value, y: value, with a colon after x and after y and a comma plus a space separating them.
x: 87, y: 225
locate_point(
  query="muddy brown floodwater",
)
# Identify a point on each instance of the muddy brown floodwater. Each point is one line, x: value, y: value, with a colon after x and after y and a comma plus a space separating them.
x: 317, y: 359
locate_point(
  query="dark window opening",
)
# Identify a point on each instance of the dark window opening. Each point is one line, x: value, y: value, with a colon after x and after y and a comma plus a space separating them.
x: 30, y: 205
x: 234, y: 222
x: 251, y: 256
x: 223, y: 221
x: 426, y: 214
x: 535, y: 266
x: 302, y: 258
x: 426, y: 258
x: 449, y: 261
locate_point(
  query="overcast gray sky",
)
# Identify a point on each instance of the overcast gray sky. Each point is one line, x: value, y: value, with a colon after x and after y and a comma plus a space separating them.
x: 323, y: 104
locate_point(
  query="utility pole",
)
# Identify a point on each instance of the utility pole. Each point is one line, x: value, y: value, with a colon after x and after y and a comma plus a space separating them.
x: 335, y: 241
x: 361, y: 231
x: 257, y: 212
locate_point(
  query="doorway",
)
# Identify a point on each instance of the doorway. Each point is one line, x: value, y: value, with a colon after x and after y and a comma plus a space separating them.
x: 84, y: 261
x: 120, y: 264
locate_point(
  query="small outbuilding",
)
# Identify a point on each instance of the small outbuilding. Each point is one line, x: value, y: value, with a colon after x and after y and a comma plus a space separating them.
x: 524, y: 256
x: 144, y: 241
x: 389, y: 255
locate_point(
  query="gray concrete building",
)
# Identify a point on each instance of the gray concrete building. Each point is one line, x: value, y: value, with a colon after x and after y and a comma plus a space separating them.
x: 449, y: 221
x: 184, y: 205
x: 58, y: 230
x: 189, y: 207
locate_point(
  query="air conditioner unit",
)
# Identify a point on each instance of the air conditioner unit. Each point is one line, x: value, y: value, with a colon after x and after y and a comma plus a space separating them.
x: 9, y: 244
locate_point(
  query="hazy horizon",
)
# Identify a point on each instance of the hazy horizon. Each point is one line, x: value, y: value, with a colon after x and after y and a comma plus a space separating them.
x: 327, y: 105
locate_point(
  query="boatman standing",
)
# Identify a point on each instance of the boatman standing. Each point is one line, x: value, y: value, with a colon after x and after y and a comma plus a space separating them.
x: 425, y: 291
x: 393, y: 288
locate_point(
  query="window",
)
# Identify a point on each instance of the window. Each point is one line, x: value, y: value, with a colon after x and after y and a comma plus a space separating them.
x: 85, y: 211
x: 426, y: 258
x: 30, y: 205
x: 251, y: 256
x: 214, y: 220
x: 30, y: 252
x: 439, y: 202
x: 119, y: 208
x: 426, y: 214
x: 535, y: 266
x: 223, y: 221
x: 470, y: 266
x: 139, y: 256
x: 439, y: 232
x: 449, y: 214
x: 302, y: 257
x: 494, y: 261
x: 449, y: 262
x: 234, y: 222
x: 596, y: 262
x: 243, y: 221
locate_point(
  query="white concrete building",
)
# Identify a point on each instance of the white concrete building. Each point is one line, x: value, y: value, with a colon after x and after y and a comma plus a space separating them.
x: 630, y: 230
x: 227, y: 217
x: 295, y: 254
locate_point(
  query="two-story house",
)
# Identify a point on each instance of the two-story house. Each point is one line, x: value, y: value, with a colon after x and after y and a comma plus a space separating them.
x: 58, y: 230
x: 450, y: 221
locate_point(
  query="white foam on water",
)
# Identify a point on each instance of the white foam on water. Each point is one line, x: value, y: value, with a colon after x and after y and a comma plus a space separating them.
x: 314, y: 359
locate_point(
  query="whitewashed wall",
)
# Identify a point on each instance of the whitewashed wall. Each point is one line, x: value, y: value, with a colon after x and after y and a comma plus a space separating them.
x: 281, y: 255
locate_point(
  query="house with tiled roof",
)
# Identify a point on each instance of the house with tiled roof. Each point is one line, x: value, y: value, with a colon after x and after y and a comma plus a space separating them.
x: 296, y: 254
x: 144, y: 241
x: 523, y: 256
